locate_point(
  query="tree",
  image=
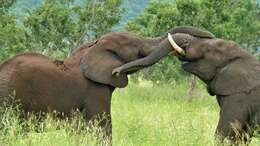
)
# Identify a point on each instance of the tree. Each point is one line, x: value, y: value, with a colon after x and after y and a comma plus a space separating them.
x: 61, y: 25
x: 233, y: 20
x: 229, y: 19
x: 11, y: 36
x: 5, y: 4
x: 54, y: 27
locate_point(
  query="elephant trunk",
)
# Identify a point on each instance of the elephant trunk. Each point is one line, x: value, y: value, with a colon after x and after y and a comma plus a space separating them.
x: 163, y: 49
x: 158, y: 52
x: 166, y: 46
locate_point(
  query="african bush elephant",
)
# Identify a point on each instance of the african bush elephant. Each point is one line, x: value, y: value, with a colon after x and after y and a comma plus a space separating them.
x: 233, y: 75
x: 230, y: 73
x: 83, y: 81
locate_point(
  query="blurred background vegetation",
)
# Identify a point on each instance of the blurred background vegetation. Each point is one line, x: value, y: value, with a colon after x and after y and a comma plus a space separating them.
x: 54, y: 27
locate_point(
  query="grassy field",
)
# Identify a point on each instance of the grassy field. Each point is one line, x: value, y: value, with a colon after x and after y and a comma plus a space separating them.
x: 142, y: 116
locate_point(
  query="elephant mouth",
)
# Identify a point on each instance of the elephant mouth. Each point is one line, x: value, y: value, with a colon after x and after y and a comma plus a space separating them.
x: 187, y: 62
x: 185, y: 65
x: 183, y: 59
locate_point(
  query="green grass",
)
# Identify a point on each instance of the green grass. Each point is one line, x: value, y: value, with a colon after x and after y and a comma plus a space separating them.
x: 142, y: 116
x: 163, y: 116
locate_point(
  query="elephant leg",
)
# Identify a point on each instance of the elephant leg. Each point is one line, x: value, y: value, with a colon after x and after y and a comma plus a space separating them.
x: 106, y: 124
x: 97, y: 111
x: 103, y: 120
x: 233, y: 122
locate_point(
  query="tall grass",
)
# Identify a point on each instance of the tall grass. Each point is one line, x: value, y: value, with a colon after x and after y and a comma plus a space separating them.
x: 142, y: 115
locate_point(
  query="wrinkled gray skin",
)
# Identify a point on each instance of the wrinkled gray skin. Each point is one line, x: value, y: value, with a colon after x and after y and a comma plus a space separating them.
x: 233, y: 75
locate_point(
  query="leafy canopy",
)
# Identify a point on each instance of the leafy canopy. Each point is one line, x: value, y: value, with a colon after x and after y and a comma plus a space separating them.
x: 232, y: 20
x: 57, y: 26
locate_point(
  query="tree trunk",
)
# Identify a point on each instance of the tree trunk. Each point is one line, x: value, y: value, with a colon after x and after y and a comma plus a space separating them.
x: 192, y: 86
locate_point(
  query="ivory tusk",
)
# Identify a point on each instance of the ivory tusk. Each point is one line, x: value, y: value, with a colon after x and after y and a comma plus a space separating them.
x: 175, y: 46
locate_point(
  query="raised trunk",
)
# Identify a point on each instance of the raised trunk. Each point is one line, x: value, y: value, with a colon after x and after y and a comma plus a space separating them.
x: 161, y: 47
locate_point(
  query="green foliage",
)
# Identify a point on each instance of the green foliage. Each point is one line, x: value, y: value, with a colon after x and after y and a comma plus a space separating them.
x: 55, y: 27
x: 131, y: 10
x: 5, y: 4
x: 51, y: 26
x: 62, y: 25
x: 11, y: 36
x: 232, y: 20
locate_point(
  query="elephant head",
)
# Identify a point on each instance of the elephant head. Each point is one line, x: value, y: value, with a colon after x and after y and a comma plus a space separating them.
x: 223, y: 65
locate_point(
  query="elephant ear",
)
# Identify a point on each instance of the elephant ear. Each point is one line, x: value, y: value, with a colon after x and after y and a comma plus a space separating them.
x: 239, y: 76
x: 97, y: 64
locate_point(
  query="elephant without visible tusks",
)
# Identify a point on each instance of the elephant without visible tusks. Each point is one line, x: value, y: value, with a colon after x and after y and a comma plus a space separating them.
x: 232, y: 74
x: 84, y: 81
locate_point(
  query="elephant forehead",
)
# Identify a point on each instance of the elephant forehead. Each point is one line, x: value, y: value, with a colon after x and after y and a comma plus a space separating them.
x: 181, y: 38
x: 219, y: 44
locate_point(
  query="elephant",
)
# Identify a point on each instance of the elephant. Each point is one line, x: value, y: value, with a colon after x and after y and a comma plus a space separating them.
x: 233, y: 76
x: 230, y: 73
x: 83, y: 81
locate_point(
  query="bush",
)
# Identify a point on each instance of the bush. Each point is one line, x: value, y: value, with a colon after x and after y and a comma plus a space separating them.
x: 232, y: 20
x: 55, y: 27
